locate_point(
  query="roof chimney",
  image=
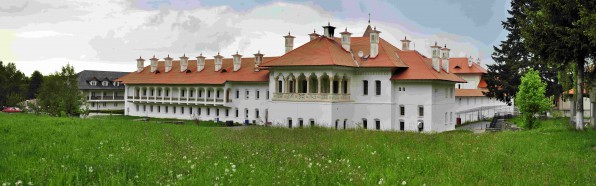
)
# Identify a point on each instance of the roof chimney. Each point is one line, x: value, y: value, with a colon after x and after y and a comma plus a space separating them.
x: 470, y: 62
x: 153, y: 63
x: 200, y: 62
x: 436, y: 50
x: 405, y: 44
x: 258, y: 60
x: 218, y: 61
x: 183, y: 63
x: 168, y: 63
x: 140, y: 64
x: 237, y: 61
x: 314, y: 35
x: 289, y: 42
x: 329, y: 30
x: 445, y: 58
x: 374, y: 43
x: 478, y: 61
x: 345, y: 39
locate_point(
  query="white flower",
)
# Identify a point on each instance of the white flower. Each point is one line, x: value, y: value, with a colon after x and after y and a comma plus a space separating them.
x: 184, y: 157
x: 90, y: 169
x: 179, y: 176
x: 381, y: 181
x: 329, y: 161
x: 19, y: 182
x: 309, y: 165
x: 227, y: 170
x: 30, y: 183
x: 136, y: 176
x: 233, y: 166
x: 408, y: 157
x: 192, y: 166
x: 403, y: 182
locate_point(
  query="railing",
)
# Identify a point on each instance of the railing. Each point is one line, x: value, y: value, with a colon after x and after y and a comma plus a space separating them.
x: 311, y: 97
x: 200, y: 101
x: 99, y: 98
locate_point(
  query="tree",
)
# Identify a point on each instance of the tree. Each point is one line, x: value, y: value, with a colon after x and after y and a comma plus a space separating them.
x: 553, y: 32
x: 531, y: 98
x: 12, y: 83
x: 34, y: 84
x: 512, y: 58
x: 59, y: 94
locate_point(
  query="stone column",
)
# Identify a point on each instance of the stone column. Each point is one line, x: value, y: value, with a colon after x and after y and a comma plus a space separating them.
x: 179, y: 94
x: 331, y: 84
x: 205, y: 96
x: 225, y: 95
x: 276, y: 85
x: 319, y: 80
x: 196, y: 95
x: 214, y: 95
x: 308, y: 84
x: 171, y: 94
x: 90, y: 95
x: 187, y: 94
x: 348, y: 86
x: 340, y: 87
x: 296, y: 85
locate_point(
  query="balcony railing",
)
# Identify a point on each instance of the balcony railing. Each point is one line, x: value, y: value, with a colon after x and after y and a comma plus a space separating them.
x: 175, y: 100
x: 99, y: 98
x: 311, y: 97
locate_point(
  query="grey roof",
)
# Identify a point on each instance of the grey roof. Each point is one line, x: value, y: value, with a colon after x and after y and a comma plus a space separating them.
x: 86, y: 76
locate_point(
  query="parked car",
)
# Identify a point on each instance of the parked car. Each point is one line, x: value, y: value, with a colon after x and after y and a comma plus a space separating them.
x: 11, y: 110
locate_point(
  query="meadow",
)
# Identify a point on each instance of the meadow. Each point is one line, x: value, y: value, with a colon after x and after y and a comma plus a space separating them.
x: 42, y: 150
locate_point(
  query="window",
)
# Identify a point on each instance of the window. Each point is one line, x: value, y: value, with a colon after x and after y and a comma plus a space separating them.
x: 93, y: 83
x: 378, y: 87
x: 167, y: 92
x: 158, y: 109
x: 247, y: 94
x: 200, y: 93
x: 279, y: 86
x: 191, y: 94
x: 137, y: 108
x: 402, y: 110
x: 105, y: 83
x: 245, y: 113
x: 312, y: 122
x: 217, y: 112
x: 267, y: 95
x: 420, y: 110
x: 190, y: 110
x: 236, y: 112
x: 117, y: 84
x: 446, y: 118
x: 256, y: 113
x: 300, y: 122
x: 106, y: 104
x: 92, y: 104
x: 167, y: 109
x: 181, y: 110
x: 182, y: 93
x: 398, y: 88
x: 208, y: 111
x: 217, y: 93
x: 199, y: 111
x: 237, y: 94
x: 208, y: 93
x: 403, y: 88
x: 402, y: 125
x: 378, y: 124
x: 227, y: 112
x: 290, y: 122
x: 151, y: 108
x: 364, y: 123
x: 365, y: 87
x: 258, y: 96
x: 174, y: 110
x: 446, y: 93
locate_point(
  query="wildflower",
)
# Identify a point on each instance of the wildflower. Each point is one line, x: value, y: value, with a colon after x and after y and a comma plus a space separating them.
x: 215, y: 164
x: 192, y: 166
x: 90, y: 169
x: 4, y: 184
x: 179, y: 176
x: 408, y: 157
x: 30, y: 183
x: 403, y: 182
x: 329, y: 161
x: 309, y: 165
x: 227, y: 170
x: 101, y: 142
x: 19, y: 182
x: 136, y: 176
x: 188, y: 161
x: 381, y: 181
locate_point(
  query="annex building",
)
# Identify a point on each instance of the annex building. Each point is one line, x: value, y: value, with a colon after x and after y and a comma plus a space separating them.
x: 338, y: 82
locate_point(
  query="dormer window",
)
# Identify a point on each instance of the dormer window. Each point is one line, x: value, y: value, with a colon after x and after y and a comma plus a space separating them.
x: 105, y: 83
x: 93, y: 83
x: 116, y: 84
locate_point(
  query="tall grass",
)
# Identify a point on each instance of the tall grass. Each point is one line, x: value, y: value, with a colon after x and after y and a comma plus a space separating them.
x: 116, y: 151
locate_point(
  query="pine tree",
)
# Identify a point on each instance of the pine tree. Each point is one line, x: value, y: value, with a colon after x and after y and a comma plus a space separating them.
x: 34, y: 84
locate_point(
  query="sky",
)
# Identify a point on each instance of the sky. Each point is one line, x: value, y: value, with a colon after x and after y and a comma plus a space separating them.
x: 45, y: 35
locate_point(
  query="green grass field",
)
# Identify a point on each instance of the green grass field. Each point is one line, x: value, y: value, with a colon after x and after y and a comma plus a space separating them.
x: 116, y: 151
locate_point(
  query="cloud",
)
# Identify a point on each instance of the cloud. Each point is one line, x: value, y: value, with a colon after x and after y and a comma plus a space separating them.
x: 41, y: 34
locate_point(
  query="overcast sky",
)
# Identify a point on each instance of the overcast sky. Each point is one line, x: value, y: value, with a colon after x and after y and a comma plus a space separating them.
x: 110, y: 34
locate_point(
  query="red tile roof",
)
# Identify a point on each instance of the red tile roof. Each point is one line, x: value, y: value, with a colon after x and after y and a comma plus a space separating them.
x: 482, y: 83
x: 420, y: 68
x: 459, y: 65
x: 207, y: 76
x: 470, y: 92
x: 318, y: 52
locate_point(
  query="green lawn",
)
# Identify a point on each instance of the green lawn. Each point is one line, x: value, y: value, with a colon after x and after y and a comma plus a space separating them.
x: 117, y: 151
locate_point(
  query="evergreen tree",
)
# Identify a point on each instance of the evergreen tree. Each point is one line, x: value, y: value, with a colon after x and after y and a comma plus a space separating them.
x: 34, y: 84
x: 512, y: 59
x: 553, y: 32
x: 12, y: 83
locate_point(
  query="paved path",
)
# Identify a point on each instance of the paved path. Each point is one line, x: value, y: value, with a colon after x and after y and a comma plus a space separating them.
x: 475, y: 127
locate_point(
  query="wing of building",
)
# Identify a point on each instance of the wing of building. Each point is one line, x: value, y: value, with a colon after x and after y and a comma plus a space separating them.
x: 339, y: 82
x: 471, y: 103
x: 102, y: 91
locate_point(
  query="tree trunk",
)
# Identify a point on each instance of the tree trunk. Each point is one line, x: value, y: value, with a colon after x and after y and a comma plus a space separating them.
x: 579, y: 91
x: 572, y: 110
x: 593, y: 108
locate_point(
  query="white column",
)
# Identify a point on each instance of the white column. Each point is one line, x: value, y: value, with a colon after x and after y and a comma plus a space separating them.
x: 196, y: 95
x: 171, y: 94
x: 330, y: 84
x: 307, y: 84
x: 102, y: 95
x: 340, y: 87
x: 225, y: 95
x: 319, y: 79
x: 90, y: 94
x: 214, y: 95
x: 187, y: 94
x: 205, y: 95
x: 179, y: 94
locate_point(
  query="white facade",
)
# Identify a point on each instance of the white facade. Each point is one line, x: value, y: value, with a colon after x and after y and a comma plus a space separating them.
x: 98, y: 100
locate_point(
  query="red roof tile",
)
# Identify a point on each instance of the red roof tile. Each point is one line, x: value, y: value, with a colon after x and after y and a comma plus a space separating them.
x: 318, y: 52
x: 482, y: 83
x: 207, y: 76
x: 459, y: 65
x: 470, y: 92
x: 420, y: 68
